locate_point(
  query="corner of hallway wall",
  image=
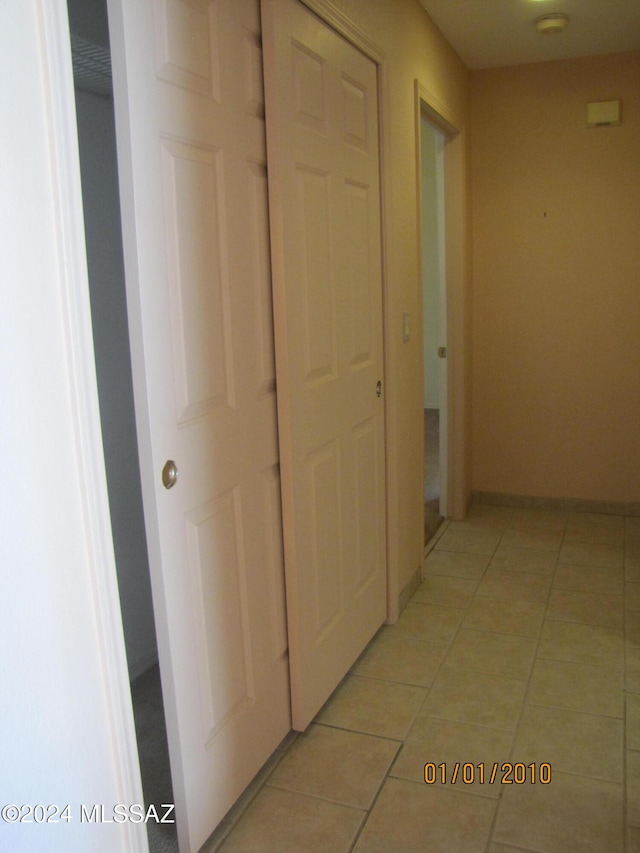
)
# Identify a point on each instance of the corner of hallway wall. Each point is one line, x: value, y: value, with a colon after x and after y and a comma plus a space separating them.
x: 556, y: 287
x: 414, y: 49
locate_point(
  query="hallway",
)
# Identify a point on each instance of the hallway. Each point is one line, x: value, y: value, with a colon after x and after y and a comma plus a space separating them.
x: 522, y: 645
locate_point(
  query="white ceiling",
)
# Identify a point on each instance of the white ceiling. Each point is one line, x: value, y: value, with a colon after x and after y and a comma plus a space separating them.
x: 492, y: 33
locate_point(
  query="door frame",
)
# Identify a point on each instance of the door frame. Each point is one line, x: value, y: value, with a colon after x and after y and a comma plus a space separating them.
x: 346, y: 28
x: 435, y: 195
x: 428, y: 106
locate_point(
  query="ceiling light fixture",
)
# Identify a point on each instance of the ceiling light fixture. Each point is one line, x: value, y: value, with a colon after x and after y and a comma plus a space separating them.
x: 548, y: 24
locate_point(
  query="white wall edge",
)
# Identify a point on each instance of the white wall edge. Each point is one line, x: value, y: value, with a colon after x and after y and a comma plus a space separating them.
x: 65, y: 168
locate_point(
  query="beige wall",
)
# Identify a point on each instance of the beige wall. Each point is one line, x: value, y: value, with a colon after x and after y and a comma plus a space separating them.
x: 556, y: 281
x: 414, y: 50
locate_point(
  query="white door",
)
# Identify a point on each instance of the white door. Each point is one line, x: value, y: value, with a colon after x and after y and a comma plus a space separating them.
x: 191, y: 148
x: 324, y: 193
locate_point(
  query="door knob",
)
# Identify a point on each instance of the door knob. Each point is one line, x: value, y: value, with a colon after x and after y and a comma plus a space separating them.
x: 379, y: 389
x: 169, y: 474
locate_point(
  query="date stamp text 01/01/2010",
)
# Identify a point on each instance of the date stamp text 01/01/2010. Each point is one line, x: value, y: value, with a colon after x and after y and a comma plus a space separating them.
x: 497, y: 773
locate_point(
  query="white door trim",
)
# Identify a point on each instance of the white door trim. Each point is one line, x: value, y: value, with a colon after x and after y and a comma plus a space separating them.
x: 61, y: 121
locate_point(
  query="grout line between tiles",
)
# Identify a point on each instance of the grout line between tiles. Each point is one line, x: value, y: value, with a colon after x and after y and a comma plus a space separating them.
x: 514, y: 739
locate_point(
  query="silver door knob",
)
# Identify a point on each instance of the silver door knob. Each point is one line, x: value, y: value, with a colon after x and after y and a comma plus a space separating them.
x: 169, y: 474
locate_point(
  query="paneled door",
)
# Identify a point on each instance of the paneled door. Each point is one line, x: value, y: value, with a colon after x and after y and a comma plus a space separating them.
x: 191, y: 148
x: 324, y: 194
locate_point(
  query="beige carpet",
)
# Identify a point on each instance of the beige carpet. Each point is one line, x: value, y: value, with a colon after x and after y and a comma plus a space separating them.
x: 154, y: 757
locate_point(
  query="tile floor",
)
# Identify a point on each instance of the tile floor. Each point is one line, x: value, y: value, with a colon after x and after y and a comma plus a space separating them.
x: 521, y: 646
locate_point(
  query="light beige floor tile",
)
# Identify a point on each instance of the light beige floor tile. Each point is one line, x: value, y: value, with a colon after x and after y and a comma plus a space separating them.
x: 508, y: 617
x: 632, y: 596
x: 455, y: 564
x: 592, y: 608
x: 633, y: 721
x: 333, y: 764
x: 514, y: 586
x: 592, y: 554
x: 470, y: 540
x: 582, y: 643
x: 472, y: 697
x: 445, y: 742
x: 285, y: 822
x: 448, y: 591
x: 595, y: 528
x: 633, y: 787
x: 577, y: 686
x: 571, y: 813
x: 493, y: 654
x: 375, y: 707
x: 412, y: 818
x: 632, y: 681
x: 402, y: 659
x: 529, y: 560
x: 572, y: 742
x: 589, y: 579
x: 427, y: 622
x: 536, y: 538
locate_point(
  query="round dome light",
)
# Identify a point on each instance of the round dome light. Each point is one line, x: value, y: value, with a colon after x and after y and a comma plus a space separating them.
x: 548, y: 24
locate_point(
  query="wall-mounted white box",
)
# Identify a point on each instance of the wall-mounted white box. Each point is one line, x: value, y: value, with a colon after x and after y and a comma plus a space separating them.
x: 603, y: 114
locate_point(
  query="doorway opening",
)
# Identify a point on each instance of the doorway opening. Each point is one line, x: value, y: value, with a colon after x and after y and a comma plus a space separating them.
x: 88, y: 25
x: 434, y: 301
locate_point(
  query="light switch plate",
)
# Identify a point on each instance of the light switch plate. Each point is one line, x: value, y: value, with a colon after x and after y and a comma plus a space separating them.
x: 405, y: 327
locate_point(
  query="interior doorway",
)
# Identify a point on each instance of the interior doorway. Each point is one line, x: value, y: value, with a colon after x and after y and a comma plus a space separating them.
x: 434, y: 301
x: 101, y: 206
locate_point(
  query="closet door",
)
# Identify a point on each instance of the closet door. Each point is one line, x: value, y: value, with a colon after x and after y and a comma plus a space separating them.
x: 324, y: 192
x: 191, y: 149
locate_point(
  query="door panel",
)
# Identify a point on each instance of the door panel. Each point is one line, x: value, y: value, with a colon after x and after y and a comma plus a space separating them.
x: 191, y: 144
x: 322, y: 130
x: 194, y: 210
